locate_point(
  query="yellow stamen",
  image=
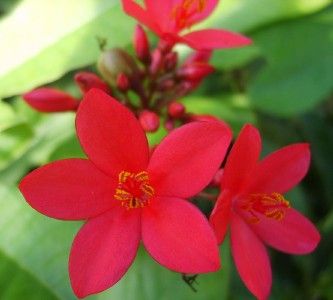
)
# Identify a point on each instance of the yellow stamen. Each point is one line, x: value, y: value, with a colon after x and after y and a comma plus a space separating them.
x: 134, y: 189
x: 272, y: 206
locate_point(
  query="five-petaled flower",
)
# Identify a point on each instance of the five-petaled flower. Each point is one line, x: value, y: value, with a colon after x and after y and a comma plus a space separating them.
x: 127, y: 196
x: 169, y: 18
x: 251, y: 202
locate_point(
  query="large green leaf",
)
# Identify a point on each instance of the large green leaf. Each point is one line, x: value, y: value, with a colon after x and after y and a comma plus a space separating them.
x: 41, y: 245
x: 28, y: 145
x: 299, y: 69
x: 14, y: 141
x: 7, y: 115
x: 17, y: 283
x: 247, y: 15
x: 42, y: 40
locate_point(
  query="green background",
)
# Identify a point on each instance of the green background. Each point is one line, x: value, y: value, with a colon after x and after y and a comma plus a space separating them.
x: 283, y: 84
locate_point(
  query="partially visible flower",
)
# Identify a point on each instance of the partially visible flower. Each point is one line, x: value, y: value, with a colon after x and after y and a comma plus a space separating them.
x: 51, y: 100
x: 252, y: 202
x: 169, y: 18
x: 127, y: 195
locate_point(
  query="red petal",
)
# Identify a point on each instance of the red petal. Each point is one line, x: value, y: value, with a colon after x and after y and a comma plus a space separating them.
x: 178, y: 236
x: 103, y: 250
x: 209, y: 39
x: 188, y: 158
x: 220, y: 217
x: 281, y: 170
x: 136, y: 11
x: 161, y: 12
x: 293, y: 234
x: 111, y: 135
x: 51, y: 100
x: 251, y: 258
x: 208, y: 9
x: 242, y: 159
x: 71, y: 189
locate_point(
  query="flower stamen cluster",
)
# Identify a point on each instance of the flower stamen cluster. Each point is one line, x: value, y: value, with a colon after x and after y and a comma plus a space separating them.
x: 134, y: 190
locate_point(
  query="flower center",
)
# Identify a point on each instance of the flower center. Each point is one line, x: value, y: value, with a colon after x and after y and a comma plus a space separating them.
x: 183, y: 11
x: 134, y: 190
x: 272, y: 206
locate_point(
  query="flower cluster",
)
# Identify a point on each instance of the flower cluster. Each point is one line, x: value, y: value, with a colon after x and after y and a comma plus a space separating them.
x: 128, y: 193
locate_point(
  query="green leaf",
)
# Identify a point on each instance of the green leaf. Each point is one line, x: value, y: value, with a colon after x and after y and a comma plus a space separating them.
x: 233, y: 109
x: 41, y: 245
x: 44, y: 40
x: 13, y: 142
x: 299, y: 65
x: 245, y: 16
x: 18, y: 283
x: 70, y: 148
x: 7, y: 115
x: 36, y: 243
x: 34, y: 149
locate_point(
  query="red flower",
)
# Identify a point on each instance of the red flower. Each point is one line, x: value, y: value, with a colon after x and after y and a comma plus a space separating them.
x: 127, y: 196
x: 251, y: 201
x: 168, y: 18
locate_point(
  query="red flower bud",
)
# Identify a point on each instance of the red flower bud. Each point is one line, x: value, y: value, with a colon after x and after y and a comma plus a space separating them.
x: 141, y: 45
x: 166, y: 85
x: 176, y: 109
x: 170, y: 61
x: 122, y: 83
x: 149, y: 121
x: 156, y: 62
x: 88, y: 80
x: 195, y: 72
x: 169, y: 125
x: 51, y: 100
x: 115, y: 61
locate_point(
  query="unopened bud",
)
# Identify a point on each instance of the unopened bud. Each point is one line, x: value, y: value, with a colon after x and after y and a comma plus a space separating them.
x: 141, y: 44
x: 115, y: 61
x: 170, y: 61
x: 123, y: 82
x: 216, y: 182
x: 88, y: 80
x: 156, y: 62
x: 51, y: 100
x: 166, y: 85
x: 195, y: 72
x: 198, y: 57
x: 169, y: 125
x: 149, y: 121
x: 176, y: 110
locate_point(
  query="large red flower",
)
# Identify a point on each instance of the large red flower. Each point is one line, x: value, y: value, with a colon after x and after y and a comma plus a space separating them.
x: 169, y: 18
x: 251, y: 202
x: 127, y: 196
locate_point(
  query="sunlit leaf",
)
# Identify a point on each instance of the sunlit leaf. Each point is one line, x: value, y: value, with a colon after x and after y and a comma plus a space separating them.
x: 61, y: 37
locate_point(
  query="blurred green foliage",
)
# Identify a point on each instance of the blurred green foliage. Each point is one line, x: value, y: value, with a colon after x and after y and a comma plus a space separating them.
x: 283, y: 84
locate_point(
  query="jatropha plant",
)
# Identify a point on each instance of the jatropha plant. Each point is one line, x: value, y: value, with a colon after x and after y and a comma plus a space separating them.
x: 128, y: 192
